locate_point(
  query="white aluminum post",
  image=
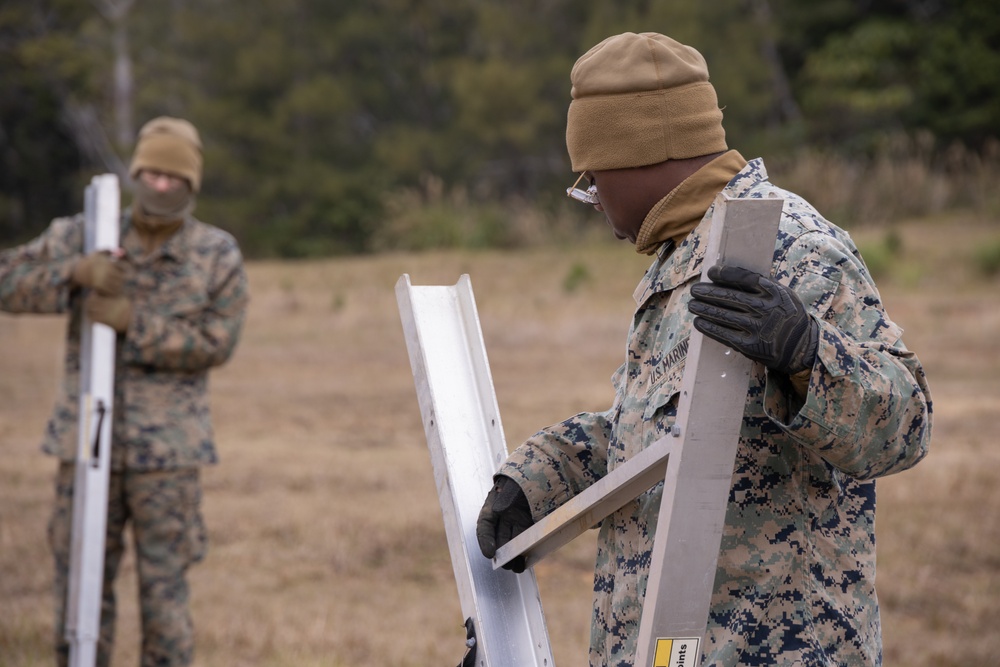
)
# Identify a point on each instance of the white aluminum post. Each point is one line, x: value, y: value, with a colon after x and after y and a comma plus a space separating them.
x: 93, y: 457
x: 462, y: 424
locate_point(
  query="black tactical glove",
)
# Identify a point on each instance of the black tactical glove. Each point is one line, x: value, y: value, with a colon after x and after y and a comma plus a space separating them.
x: 756, y: 316
x: 504, y: 516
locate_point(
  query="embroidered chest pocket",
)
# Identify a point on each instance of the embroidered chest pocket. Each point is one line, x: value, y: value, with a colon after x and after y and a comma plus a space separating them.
x: 660, y: 409
x: 173, y: 290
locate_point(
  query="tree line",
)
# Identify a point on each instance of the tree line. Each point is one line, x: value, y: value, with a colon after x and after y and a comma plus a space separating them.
x: 324, y: 122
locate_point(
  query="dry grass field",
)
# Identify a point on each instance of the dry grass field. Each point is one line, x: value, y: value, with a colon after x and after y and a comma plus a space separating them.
x: 327, y: 546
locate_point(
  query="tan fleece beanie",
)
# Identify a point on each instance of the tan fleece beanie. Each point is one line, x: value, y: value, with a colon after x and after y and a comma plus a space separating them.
x: 641, y: 99
x: 170, y: 145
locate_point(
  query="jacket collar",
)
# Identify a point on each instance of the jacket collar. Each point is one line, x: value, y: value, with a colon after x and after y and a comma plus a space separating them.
x: 673, y: 266
x: 176, y: 247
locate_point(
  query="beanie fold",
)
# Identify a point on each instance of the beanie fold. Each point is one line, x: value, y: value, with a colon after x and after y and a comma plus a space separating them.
x: 643, y: 128
x: 169, y: 145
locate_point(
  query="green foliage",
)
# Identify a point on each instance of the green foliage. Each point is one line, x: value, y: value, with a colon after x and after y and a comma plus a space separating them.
x: 905, y: 66
x: 883, y: 256
x: 324, y: 122
x: 425, y: 218
x: 577, y: 276
x: 858, y: 80
x: 987, y: 259
x: 877, y: 258
x: 893, y: 242
x: 338, y: 302
x: 44, y: 51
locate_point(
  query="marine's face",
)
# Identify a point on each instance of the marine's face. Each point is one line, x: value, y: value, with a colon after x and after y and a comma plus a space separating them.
x: 161, y: 181
x: 625, y: 197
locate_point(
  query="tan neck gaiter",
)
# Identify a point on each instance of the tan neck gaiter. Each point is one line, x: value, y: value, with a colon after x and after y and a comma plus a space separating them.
x: 158, y: 215
x: 674, y: 216
x: 168, y: 205
x: 153, y: 231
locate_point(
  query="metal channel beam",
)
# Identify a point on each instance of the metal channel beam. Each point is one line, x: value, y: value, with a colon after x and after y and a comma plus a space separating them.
x: 93, y: 457
x: 466, y: 442
x: 583, y: 511
x: 696, y: 489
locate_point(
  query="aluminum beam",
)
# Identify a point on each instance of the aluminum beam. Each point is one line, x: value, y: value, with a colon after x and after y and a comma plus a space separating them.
x: 696, y: 489
x: 466, y: 442
x: 93, y: 454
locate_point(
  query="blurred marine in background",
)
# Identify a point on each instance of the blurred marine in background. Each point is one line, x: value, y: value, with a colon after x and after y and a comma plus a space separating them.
x: 177, y: 296
x: 835, y: 399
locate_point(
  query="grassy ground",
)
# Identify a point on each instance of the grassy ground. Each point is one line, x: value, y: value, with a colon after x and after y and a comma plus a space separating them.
x: 327, y: 545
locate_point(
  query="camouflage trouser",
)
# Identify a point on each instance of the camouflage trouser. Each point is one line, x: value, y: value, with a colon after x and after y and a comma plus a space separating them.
x: 169, y: 535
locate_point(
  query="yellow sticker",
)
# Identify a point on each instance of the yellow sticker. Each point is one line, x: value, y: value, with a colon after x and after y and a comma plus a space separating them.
x: 676, y: 652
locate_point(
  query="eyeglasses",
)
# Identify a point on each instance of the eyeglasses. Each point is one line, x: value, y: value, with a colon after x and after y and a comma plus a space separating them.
x: 588, y: 196
x: 154, y: 178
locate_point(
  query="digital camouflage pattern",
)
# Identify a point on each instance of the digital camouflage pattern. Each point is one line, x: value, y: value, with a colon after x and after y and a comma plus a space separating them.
x: 189, y: 300
x: 796, y: 571
x: 169, y: 535
x: 188, y: 307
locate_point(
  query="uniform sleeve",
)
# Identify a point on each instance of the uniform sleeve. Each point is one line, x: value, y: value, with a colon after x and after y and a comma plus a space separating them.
x: 35, y: 277
x: 560, y: 461
x: 868, y: 408
x: 199, y: 330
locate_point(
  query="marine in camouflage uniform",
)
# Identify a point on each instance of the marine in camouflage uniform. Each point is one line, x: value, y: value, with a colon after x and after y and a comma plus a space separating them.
x: 796, y: 572
x: 179, y: 305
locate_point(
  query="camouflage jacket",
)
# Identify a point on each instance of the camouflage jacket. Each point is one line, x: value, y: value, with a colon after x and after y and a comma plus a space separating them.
x: 188, y: 299
x: 795, y: 583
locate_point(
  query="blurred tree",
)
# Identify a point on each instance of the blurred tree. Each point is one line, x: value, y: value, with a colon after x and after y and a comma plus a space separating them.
x: 51, y: 135
x: 869, y: 69
x: 958, y: 71
x: 116, y: 13
x: 509, y: 96
x: 316, y: 114
x: 859, y: 83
